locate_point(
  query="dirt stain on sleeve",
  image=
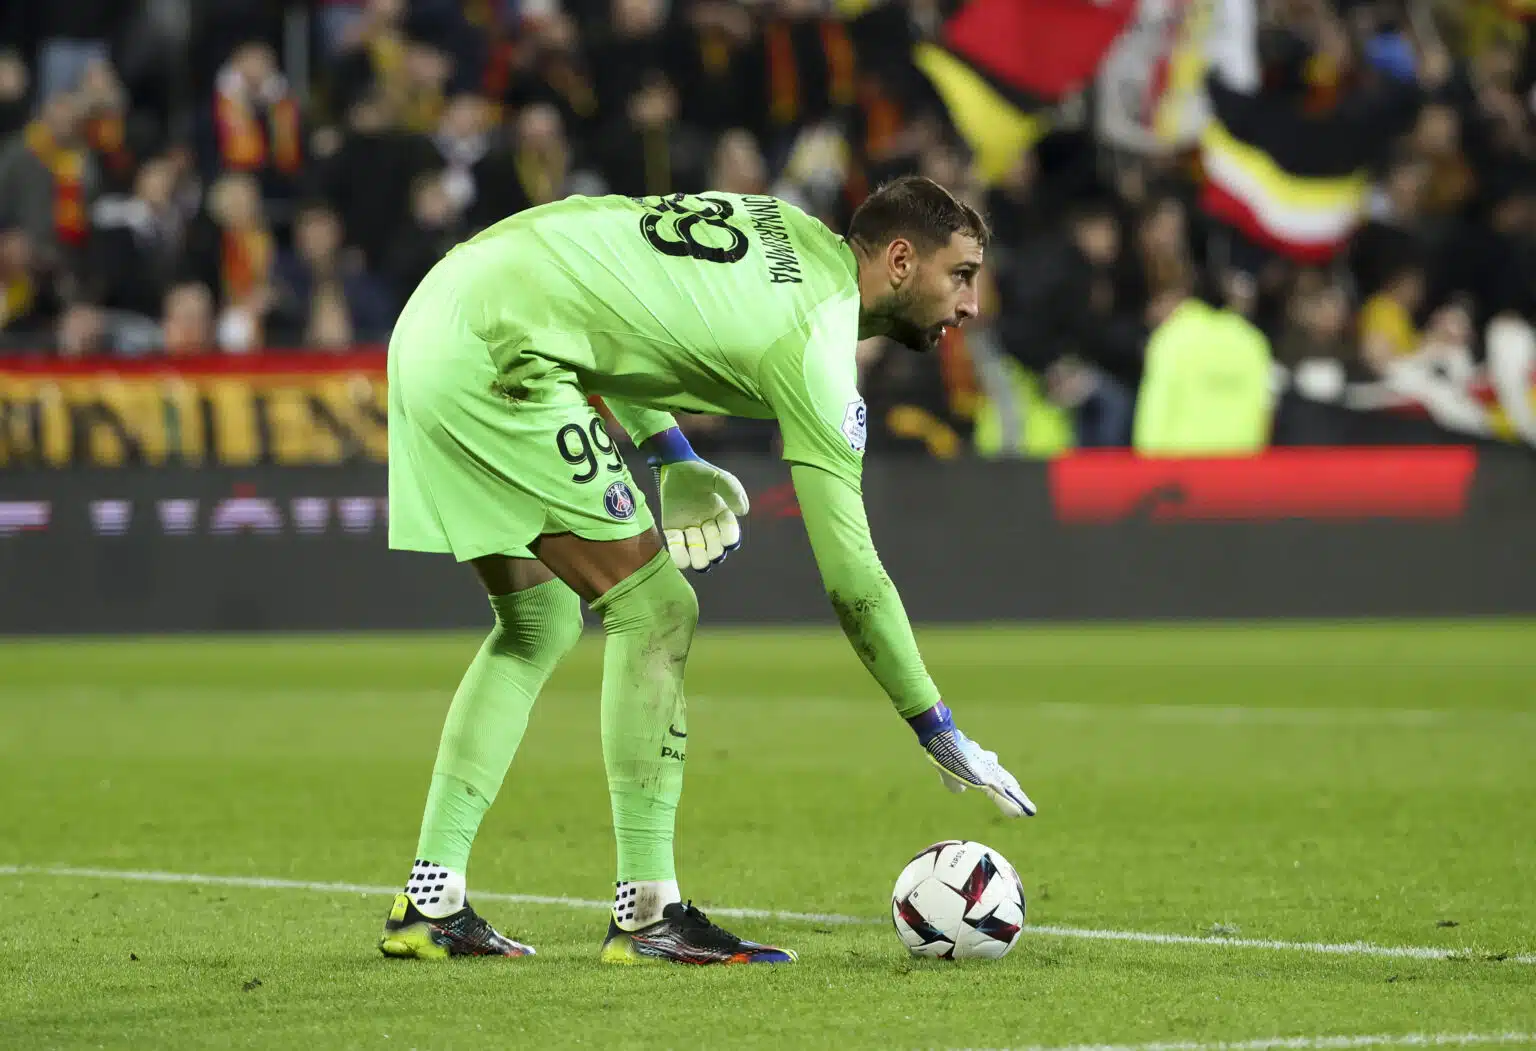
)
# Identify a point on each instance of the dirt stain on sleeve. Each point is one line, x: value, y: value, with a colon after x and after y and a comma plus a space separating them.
x: 855, y: 614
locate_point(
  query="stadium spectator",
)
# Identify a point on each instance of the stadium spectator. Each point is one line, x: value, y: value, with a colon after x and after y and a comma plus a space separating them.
x: 710, y: 61
x: 254, y: 125
x: 230, y: 248
x: 14, y: 85
x: 816, y: 172
x: 104, y: 109
x: 434, y: 228
x: 1064, y: 318
x: 1018, y: 211
x: 322, y: 295
x: 1395, y: 227
x: 187, y: 185
x: 1207, y: 387
x: 946, y: 165
x: 462, y: 34
x: 463, y: 140
x: 378, y: 57
x: 1161, y: 273
x: 1436, y: 140
x: 65, y: 36
x: 339, y: 22
x: 370, y: 174
x: 649, y: 152
x: 28, y: 302
x: 82, y: 330
x: 1316, y: 325
x: 1387, y: 328
x: 534, y: 169
x: 136, y: 241
x: 549, y: 66
x: 738, y: 165
x: 186, y: 320
x: 628, y: 54
x: 1494, y: 113
x: 1493, y: 260
x: 808, y: 72
x: 48, y: 180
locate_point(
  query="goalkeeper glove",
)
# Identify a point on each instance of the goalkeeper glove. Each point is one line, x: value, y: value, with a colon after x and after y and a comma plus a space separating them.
x: 962, y: 763
x: 699, y: 503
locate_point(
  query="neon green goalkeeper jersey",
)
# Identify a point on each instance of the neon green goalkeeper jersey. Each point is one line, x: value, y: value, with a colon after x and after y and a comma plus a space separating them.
x: 714, y: 303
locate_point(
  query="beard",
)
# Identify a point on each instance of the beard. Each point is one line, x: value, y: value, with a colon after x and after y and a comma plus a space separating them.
x: 901, y: 328
x: 913, y: 337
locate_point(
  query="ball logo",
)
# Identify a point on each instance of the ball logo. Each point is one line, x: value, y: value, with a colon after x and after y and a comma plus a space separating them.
x: 619, y: 501
x: 856, y: 424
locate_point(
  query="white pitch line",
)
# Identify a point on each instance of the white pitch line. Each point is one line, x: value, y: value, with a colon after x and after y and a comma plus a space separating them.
x: 273, y: 883
x: 1313, y: 1043
x: 1414, y: 952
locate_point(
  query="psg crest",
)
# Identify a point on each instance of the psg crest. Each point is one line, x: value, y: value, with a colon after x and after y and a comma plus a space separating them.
x: 619, y: 501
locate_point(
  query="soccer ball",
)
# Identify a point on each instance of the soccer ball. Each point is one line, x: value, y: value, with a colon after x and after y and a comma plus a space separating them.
x: 957, y: 900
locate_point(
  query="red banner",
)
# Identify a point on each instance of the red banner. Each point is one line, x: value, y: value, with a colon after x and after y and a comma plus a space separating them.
x: 1407, y: 482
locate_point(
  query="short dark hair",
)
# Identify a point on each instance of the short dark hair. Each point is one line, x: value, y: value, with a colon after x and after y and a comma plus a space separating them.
x: 918, y: 209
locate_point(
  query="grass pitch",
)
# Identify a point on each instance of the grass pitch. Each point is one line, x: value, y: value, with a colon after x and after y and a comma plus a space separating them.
x: 1289, y: 784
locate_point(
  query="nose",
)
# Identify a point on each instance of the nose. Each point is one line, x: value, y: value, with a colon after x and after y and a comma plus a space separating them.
x: 968, y: 307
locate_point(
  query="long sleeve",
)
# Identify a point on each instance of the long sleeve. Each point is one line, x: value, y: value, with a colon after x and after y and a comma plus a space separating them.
x: 866, y: 602
x: 638, y: 421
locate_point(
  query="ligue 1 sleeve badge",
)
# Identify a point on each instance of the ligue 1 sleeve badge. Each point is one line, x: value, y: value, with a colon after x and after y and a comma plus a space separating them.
x: 856, y: 425
x: 619, y: 501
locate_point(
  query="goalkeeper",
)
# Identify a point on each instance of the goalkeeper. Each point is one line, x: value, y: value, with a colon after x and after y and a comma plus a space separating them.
x: 717, y: 303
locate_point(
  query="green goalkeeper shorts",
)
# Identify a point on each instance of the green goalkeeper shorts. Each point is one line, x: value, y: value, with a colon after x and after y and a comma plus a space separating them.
x: 476, y: 468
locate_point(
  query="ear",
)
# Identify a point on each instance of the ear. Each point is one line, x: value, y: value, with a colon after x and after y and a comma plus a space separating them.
x: 900, y: 259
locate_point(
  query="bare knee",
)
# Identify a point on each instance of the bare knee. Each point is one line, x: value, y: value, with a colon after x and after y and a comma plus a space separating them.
x: 503, y: 574
x: 594, y: 567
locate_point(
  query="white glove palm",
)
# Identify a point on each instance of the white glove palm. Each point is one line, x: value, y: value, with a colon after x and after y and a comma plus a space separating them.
x: 963, y: 764
x: 699, y: 505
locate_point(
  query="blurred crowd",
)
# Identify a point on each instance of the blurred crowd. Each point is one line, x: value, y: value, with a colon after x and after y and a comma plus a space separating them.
x: 221, y: 176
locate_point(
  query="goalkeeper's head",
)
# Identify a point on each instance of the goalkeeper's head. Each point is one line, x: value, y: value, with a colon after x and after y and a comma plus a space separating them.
x: 919, y: 249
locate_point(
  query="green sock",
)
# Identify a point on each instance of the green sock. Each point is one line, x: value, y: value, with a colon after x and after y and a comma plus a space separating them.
x: 534, y: 629
x: 649, y: 619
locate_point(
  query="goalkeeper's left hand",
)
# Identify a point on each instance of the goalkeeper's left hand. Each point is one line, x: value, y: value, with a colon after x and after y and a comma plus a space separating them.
x: 699, y: 504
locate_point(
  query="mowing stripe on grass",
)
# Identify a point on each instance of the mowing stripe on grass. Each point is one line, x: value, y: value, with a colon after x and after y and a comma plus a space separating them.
x: 1235, y: 716
x: 1211, y: 715
x: 1414, y: 952
x: 1315, y: 1043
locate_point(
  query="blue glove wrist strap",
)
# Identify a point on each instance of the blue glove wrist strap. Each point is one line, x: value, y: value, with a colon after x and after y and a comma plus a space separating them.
x: 670, y: 446
x: 928, y: 725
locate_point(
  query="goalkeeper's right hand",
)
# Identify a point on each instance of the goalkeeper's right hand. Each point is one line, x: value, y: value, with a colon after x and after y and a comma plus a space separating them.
x: 963, y: 764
